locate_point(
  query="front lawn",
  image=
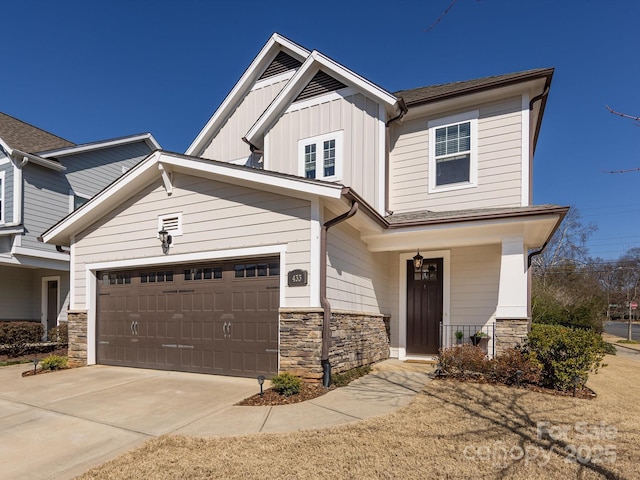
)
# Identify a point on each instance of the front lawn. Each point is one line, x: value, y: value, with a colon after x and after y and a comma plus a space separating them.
x: 451, y: 430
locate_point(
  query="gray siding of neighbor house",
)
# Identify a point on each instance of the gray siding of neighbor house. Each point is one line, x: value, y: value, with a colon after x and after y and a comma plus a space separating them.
x: 21, y: 293
x: 216, y: 216
x: 7, y: 200
x: 46, y: 201
x: 90, y: 172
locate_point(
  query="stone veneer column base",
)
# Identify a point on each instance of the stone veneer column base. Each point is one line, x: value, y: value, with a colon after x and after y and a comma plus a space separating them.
x: 357, y: 339
x: 511, y: 333
x: 77, y: 325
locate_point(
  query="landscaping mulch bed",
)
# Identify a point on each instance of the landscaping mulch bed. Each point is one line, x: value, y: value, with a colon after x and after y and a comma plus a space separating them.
x: 270, y: 397
x: 62, y: 352
x: 32, y: 372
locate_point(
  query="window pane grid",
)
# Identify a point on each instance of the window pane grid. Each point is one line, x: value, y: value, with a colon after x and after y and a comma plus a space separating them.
x: 329, y: 158
x: 310, y: 160
x: 453, y: 153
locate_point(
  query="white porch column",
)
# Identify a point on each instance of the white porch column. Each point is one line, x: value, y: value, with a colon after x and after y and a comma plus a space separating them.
x: 513, y: 291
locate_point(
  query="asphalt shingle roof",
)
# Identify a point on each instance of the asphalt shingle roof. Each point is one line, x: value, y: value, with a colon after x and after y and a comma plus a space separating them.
x: 469, y: 214
x: 435, y: 92
x: 27, y: 138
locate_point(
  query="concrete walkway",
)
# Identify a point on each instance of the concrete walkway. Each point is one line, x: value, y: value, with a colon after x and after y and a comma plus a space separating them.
x: 58, y: 425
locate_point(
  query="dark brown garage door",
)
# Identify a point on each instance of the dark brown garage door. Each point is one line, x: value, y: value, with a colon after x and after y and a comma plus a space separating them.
x: 206, y: 318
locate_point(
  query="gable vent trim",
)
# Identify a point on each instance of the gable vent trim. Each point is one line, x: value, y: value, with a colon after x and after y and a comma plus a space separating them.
x: 171, y: 222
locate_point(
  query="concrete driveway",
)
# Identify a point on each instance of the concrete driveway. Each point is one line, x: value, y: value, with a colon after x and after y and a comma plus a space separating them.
x: 58, y: 425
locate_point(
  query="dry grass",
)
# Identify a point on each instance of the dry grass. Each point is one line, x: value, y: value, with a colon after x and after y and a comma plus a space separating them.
x: 452, y: 430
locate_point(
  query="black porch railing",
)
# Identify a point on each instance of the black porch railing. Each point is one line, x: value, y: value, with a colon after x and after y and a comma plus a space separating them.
x: 483, y: 336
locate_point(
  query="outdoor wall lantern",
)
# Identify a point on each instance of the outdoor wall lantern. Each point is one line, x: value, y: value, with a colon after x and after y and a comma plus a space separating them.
x: 165, y: 238
x: 417, y: 261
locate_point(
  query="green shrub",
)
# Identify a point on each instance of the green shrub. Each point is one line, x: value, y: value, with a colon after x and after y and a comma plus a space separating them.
x: 59, y: 334
x: 504, y: 368
x: 286, y: 384
x: 53, y: 362
x: 345, y: 378
x: 462, y: 361
x: 565, y: 353
x: 20, y: 332
x: 19, y: 338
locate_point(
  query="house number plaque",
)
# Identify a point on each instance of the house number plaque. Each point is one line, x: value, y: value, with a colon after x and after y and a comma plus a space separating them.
x: 297, y: 278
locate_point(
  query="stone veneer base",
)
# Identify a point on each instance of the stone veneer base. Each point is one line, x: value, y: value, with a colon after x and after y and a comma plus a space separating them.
x: 511, y: 333
x: 77, y: 325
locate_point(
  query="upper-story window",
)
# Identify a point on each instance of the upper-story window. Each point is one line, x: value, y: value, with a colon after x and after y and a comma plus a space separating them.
x: 453, y: 152
x: 321, y: 157
x: 1, y: 197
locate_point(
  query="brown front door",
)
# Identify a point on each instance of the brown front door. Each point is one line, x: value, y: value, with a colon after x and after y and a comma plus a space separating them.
x: 424, y: 306
x: 208, y: 318
x: 52, y: 304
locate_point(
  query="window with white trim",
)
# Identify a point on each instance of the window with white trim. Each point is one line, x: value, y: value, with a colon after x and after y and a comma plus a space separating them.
x: 321, y: 157
x: 76, y: 200
x: 453, y: 152
x: 1, y: 197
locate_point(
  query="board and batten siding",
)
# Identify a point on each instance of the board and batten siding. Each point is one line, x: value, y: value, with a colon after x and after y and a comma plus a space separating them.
x: 7, y: 189
x: 215, y: 216
x: 45, y: 202
x: 227, y: 144
x: 475, y: 278
x: 355, y: 115
x: 499, y: 163
x: 357, y: 280
x: 89, y: 172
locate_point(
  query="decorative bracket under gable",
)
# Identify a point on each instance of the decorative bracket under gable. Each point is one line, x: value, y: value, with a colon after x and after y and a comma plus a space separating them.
x: 167, y: 178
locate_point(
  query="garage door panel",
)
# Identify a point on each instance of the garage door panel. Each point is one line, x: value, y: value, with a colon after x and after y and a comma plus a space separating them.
x: 220, y: 320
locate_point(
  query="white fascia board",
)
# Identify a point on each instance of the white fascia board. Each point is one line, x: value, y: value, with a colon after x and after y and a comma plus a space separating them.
x: 109, y: 198
x: 244, y: 176
x: 314, y: 63
x: 249, y: 77
x: 88, y: 147
x: 20, y: 155
x: 534, y: 230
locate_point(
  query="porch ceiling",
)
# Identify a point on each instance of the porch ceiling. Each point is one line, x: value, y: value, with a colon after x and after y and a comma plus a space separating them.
x: 535, y: 231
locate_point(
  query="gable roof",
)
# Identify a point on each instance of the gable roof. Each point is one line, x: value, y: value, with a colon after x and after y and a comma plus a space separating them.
x: 274, y: 46
x: 161, y: 165
x: 316, y: 62
x: 431, y: 93
x: 22, y: 136
x: 148, y: 138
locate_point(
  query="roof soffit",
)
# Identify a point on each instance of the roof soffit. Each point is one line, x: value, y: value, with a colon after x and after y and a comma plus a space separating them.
x: 276, y: 44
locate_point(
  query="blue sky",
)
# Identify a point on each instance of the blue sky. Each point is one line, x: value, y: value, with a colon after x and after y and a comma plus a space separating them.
x: 93, y: 70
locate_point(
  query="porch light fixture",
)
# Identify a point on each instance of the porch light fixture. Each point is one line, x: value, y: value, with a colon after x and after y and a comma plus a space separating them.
x: 417, y: 261
x: 165, y: 238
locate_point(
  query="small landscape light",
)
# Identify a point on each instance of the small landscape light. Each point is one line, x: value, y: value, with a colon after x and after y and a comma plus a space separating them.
x: 576, y: 382
x: 518, y: 377
x: 35, y: 365
x: 261, y: 382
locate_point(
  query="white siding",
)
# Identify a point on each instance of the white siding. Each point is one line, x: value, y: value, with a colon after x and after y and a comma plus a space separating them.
x: 215, y: 216
x: 357, y: 280
x: 499, y: 163
x: 227, y: 145
x: 475, y: 276
x: 356, y: 115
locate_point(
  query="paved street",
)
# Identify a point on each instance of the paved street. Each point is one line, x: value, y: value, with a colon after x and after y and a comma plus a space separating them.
x: 619, y: 329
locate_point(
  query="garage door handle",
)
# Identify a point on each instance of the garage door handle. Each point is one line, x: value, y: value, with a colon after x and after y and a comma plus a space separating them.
x: 133, y: 332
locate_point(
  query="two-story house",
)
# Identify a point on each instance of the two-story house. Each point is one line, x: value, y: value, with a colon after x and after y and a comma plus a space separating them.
x: 317, y: 221
x: 42, y: 179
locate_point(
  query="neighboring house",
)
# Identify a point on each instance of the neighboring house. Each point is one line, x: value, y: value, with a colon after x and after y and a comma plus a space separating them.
x: 285, y: 238
x: 42, y: 179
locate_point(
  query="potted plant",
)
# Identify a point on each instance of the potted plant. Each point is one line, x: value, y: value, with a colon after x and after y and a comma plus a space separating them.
x: 459, y: 336
x: 477, y: 337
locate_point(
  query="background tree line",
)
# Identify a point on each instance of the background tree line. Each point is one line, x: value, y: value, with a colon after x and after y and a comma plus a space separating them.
x: 571, y: 288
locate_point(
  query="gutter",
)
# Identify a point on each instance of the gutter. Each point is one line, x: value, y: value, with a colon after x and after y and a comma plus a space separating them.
x: 324, y: 302
x: 403, y: 112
